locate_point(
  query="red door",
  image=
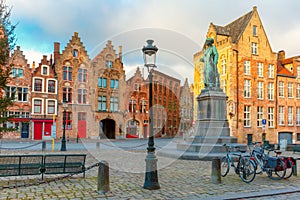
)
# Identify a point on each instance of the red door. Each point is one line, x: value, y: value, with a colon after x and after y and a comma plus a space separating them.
x: 38, y: 128
x: 47, y: 131
x: 81, y: 125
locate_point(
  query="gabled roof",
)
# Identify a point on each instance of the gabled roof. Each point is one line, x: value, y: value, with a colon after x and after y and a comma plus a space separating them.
x: 235, y: 28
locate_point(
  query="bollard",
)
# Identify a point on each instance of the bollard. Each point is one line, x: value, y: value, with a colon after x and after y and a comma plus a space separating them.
x: 97, y: 145
x: 52, y: 144
x: 216, y: 171
x: 43, y: 145
x: 103, y: 178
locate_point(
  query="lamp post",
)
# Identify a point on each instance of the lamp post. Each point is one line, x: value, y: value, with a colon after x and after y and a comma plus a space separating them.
x: 63, y: 140
x: 151, y: 178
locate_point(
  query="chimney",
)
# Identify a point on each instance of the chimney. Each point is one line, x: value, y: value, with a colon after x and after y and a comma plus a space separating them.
x: 51, y: 59
x: 56, y: 50
x: 281, y: 55
x: 120, y: 53
x: 33, y: 65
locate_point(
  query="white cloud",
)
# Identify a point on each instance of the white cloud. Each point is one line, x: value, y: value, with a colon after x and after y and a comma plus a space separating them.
x: 122, y: 21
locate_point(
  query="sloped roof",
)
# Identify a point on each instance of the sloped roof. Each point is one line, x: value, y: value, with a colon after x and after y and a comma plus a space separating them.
x: 282, y: 71
x: 235, y: 28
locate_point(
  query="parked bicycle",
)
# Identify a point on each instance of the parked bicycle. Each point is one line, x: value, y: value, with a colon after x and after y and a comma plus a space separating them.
x: 274, y: 167
x: 245, y: 167
x: 289, y: 162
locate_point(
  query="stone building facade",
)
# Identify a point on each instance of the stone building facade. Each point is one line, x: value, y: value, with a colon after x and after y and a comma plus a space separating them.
x: 108, y: 88
x: 248, y: 75
x: 186, y: 108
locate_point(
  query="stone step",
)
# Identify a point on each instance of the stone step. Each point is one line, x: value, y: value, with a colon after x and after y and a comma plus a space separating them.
x: 219, y: 140
x: 206, y: 147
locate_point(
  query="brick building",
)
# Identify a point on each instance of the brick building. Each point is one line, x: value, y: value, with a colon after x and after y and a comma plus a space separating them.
x: 19, y: 87
x: 43, y: 100
x: 248, y: 75
x: 137, y: 106
x: 74, y: 77
x: 166, y: 95
x: 288, y: 98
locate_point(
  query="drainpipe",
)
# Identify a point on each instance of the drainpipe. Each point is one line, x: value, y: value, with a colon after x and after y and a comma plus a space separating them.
x: 237, y: 90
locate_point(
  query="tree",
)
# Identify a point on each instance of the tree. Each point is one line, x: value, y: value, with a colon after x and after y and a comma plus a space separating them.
x: 7, y: 43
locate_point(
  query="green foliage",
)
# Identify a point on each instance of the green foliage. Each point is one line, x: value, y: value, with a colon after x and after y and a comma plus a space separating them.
x: 7, y: 43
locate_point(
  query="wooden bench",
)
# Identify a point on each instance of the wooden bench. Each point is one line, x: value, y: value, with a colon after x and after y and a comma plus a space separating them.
x: 22, y: 165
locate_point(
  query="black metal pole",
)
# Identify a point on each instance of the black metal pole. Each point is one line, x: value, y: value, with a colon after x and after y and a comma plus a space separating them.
x: 151, y: 177
x: 63, y: 140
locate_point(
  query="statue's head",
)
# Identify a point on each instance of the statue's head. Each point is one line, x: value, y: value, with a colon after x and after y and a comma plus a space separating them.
x: 209, y: 41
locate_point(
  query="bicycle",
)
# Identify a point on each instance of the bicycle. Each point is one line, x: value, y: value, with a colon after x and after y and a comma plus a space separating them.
x: 288, y: 161
x: 245, y: 168
x: 273, y: 166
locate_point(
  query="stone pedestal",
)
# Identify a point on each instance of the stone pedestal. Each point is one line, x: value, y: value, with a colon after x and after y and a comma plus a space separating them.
x: 212, y: 129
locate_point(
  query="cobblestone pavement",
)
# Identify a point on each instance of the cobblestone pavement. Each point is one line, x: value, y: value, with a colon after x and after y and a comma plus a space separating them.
x: 179, y: 179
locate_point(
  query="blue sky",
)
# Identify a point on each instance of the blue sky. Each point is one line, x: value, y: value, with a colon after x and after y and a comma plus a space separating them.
x: 178, y: 27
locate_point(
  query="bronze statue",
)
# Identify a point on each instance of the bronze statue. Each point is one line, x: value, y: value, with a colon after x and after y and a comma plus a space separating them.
x: 210, y: 59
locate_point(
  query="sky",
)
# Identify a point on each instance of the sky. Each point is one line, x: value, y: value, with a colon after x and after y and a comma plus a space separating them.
x: 178, y: 27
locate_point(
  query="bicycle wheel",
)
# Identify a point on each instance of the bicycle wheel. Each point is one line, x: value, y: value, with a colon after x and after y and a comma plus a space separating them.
x: 246, y: 169
x: 289, y: 169
x: 278, y: 172
x: 258, y: 167
x: 225, y: 166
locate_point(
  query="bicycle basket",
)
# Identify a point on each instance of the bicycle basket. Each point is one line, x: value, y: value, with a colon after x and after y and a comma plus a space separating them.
x: 271, y: 162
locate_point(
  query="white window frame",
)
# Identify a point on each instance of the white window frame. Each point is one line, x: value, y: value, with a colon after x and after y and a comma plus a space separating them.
x: 260, y: 69
x: 270, y: 91
x: 298, y: 116
x: 290, y: 116
x: 254, y: 48
x: 247, y: 116
x: 247, y: 67
x: 290, y: 90
x: 281, y: 89
x: 271, y: 117
x: 43, y: 84
x: 42, y: 70
x: 47, y: 81
x: 260, y: 112
x: 247, y: 88
x: 271, y: 71
x: 260, y: 90
x: 42, y: 106
x: 55, y: 107
x: 281, y: 115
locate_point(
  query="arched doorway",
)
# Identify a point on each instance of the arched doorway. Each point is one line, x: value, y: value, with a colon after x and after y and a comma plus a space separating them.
x: 107, y: 129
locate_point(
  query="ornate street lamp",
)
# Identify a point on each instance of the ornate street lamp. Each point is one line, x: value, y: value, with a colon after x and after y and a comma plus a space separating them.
x: 63, y: 140
x: 151, y: 178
